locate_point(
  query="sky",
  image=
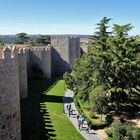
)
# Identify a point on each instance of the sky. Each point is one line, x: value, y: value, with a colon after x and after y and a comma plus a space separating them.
x: 65, y: 16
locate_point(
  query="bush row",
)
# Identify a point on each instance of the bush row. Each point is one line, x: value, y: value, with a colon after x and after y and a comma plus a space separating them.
x: 119, y: 131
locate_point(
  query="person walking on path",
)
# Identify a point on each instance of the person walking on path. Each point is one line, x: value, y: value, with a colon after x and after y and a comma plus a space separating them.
x: 82, y: 119
x: 77, y: 117
x: 88, y: 126
x: 79, y: 124
x: 67, y: 106
x: 69, y: 110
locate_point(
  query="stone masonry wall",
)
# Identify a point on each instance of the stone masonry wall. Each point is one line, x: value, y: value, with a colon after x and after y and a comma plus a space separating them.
x: 74, y: 47
x: 65, y: 50
x: 22, y: 65
x: 13, y: 76
x: 9, y: 97
x: 39, y: 62
x: 46, y: 64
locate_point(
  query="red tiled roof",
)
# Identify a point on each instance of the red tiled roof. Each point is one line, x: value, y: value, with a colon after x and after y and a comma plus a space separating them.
x: 19, y: 46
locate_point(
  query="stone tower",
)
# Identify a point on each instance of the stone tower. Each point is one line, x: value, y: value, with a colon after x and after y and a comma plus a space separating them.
x: 22, y: 66
x: 9, y: 97
x: 65, y: 50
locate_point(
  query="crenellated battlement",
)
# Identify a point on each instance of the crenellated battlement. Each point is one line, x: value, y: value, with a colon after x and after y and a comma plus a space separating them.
x: 22, y: 51
x: 74, y: 37
x: 65, y: 37
x: 6, y: 53
x: 60, y: 37
x: 41, y: 48
x: 11, y: 52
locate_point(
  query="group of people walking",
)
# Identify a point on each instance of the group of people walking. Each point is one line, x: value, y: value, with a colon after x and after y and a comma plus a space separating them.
x: 69, y: 109
x: 82, y: 123
x: 80, y: 119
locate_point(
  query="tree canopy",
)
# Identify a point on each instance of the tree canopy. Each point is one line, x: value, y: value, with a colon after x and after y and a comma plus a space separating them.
x: 43, y: 40
x: 21, y: 38
x: 113, y: 62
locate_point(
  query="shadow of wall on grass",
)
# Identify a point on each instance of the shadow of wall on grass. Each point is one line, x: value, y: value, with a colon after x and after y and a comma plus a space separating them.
x: 48, y: 127
x: 33, y: 127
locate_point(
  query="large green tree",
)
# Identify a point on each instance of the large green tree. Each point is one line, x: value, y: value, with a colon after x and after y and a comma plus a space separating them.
x: 99, y: 39
x: 122, y: 71
x: 117, y: 66
x: 21, y: 38
x: 112, y: 62
x: 99, y: 100
x: 43, y: 40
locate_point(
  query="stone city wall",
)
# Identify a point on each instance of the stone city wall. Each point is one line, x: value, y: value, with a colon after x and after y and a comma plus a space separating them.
x: 16, y: 65
x: 39, y: 62
x: 10, y: 126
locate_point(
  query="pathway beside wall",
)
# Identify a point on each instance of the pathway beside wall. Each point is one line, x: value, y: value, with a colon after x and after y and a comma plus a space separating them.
x: 88, y: 136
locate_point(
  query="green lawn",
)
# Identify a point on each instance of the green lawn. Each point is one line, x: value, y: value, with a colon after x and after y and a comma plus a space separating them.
x: 36, y: 125
x: 61, y: 128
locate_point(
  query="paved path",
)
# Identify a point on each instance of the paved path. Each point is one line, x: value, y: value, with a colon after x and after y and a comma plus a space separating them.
x: 88, y: 136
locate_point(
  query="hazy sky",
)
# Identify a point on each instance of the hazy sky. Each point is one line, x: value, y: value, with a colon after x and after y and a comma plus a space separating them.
x: 65, y: 16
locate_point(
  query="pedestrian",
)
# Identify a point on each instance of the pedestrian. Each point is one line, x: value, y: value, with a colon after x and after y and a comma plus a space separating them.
x: 82, y: 119
x: 71, y: 111
x: 67, y: 106
x: 78, y: 117
x: 88, y: 126
x: 79, y: 124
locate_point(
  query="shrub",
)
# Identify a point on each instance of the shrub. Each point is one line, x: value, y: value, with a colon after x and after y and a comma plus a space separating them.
x: 98, y: 125
x: 92, y: 115
x: 108, y: 131
x: 119, y: 131
x: 109, y: 119
x: 136, y: 134
x: 86, y: 106
x: 129, y: 133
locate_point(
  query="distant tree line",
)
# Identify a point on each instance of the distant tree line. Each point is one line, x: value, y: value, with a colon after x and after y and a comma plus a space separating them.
x: 1, y: 42
x: 23, y: 38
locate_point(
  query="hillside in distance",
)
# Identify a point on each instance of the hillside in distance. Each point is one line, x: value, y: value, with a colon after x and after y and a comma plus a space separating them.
x: 9, y: 39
